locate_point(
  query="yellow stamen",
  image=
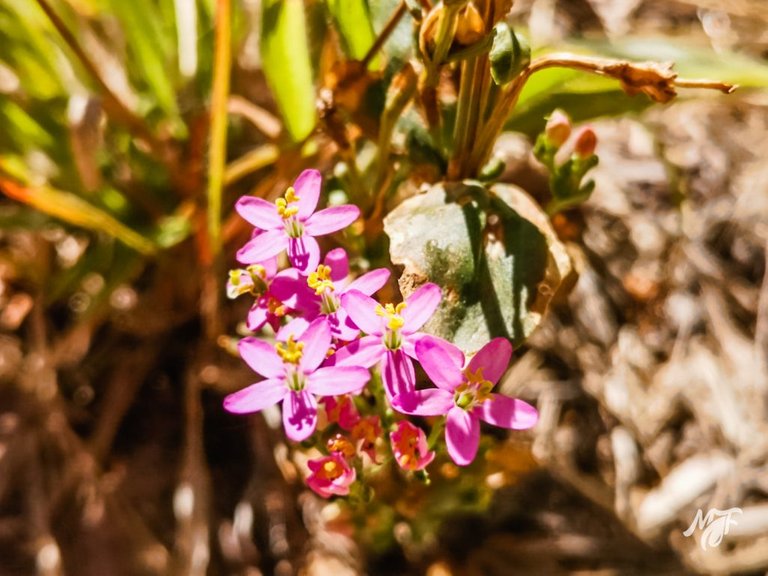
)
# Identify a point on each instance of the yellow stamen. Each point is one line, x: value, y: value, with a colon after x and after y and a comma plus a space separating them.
x: 474, y: 390
x: 321, y: 279
x: 276, y: 307
x: 393, y: 314
x: 291, y: 351
x: 330, y: 470
x: 284, y: 207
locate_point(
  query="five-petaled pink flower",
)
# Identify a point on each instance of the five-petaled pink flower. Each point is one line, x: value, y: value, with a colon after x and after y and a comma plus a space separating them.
x: 409, y: 445
x: 330, y: 475
x: 464, y: 394
x: 293, y: 377
x: 392, y: 336
x: 291, y: 223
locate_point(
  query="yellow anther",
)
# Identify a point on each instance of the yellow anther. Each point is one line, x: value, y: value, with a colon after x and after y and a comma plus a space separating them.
x: 330, y: 470
x: 321, y: 279
x: 276, y: 307
x: 393, y: 314
x: 476, y: 385
x: 284, y: 207
x: 291, y: 351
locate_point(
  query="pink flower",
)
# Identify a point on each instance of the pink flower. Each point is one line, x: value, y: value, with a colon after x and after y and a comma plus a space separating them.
x: 261, y: 281
x: 291, y: 223
x: 464, y: 394
x: 409, y: 445
x: 293, y: 377
x: 330, y: 475
x: 392, y: 335
x: 319, y: 294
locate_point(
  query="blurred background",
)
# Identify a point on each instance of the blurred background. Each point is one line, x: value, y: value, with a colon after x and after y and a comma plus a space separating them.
x: 128, y: 130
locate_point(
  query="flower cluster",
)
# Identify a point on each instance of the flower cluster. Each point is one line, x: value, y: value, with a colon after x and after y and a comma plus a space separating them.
x: 330, y: 335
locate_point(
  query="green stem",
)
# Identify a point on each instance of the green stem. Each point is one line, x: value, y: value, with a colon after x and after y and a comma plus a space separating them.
x: 434, y: 434
x: 218, y: 144
x: 463, y: 113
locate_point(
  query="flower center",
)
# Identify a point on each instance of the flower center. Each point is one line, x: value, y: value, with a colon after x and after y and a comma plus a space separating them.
x: 395, y: 321
x: 287, y: 209
x: 252, y: 280
x: 291, y: 351
x: 277, y: 308
x: 285, y: 205
x: 330, y: 470
x: 320, y: 280
x: 473, y: 391
x: 406, y: 447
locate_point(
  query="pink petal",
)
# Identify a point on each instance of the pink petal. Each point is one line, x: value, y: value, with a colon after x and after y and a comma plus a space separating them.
x: 259, y: 213
x: 338, y: 261
x: 362, y: 310
x: 420, y: 306
x: 342, y: 327
x: 336, y: 380
x: 295, y: 328
x: 331, y: 219
x: 493, y: 358
x: 299, y: 415
x: 397, y: 374
x: 257, y: 316
x: 304, y: 253
x: 370, y: 282
x: 317, y: 341
x: 364, y: 352
x: 270, y: 266
x: 307, y: 187
x: 256, y: 396
x: 439, y: 360
x: 429, y: 402
x: 290, y: 288
x: 263, y: 246
x: 261, y: 357
x: 462, y: 436
x: 507, y: 412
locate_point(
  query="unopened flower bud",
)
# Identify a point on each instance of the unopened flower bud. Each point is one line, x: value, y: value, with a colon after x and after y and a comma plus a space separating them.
x: 558, y: 128
x: 471, y: 27
x: 586, y: 141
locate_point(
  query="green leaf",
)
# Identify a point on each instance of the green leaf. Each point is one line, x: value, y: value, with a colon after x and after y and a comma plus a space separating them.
x: 286, y: 64
x: 492, y: 252
x: 508, y: 55
x: 151, y: 48
x: 353, y: 22
x: 76, y: 211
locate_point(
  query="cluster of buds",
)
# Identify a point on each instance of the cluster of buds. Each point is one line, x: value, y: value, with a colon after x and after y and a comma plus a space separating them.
x: 331, y: 336
x: 568, y: 156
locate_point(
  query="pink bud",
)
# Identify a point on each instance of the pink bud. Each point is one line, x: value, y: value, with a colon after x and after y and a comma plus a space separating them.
x: 409, y: 445
x: 341, y: 410
x: 558, y: 128
x: 586, y: 141
x: 330, y: 475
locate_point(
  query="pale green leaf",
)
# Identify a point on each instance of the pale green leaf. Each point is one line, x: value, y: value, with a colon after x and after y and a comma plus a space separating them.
x: 286, y: 64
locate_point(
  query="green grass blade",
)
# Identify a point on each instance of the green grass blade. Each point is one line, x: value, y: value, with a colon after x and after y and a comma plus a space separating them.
x: 286, y: 63
x: 353, y: 22
x: 76, y: 211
